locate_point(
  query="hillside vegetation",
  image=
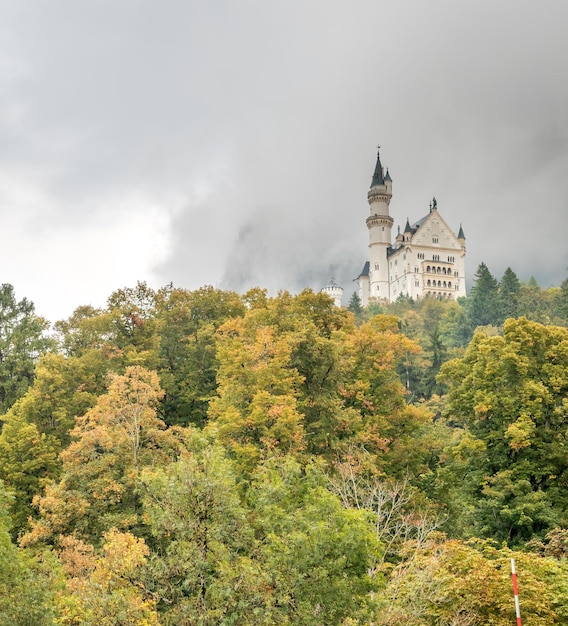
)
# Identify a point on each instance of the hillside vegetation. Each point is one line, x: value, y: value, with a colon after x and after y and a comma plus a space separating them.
x: 204, y: 457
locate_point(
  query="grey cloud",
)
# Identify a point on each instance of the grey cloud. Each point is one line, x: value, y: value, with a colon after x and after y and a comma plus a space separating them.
x: 251, y: 127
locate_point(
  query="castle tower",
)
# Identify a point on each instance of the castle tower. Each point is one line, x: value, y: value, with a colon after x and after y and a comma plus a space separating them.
x: 334, y: 291
x: 379, y: 224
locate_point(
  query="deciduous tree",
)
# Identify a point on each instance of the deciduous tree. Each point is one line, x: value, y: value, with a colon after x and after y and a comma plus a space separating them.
x: 511, y: 395
x: 112, y: 442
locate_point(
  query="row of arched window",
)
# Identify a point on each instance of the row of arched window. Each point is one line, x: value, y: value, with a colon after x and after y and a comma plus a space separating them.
x: 438, y: 270
x: 439, y: 284
x: 440, y: 295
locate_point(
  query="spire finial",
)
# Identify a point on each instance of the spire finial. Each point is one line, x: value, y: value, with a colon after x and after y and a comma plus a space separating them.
x: 434, y: 203
x: 378, y: 178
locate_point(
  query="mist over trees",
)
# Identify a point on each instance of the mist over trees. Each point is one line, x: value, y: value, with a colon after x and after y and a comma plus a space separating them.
x: 207, y: 457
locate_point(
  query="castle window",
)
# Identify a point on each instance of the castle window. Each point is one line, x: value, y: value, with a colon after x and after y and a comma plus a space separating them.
x: 450, y: 284
x: 456, y: 273
x: 421, y: 255
x: 445, y: 284
x: 434, y: 239
x: 440, y: 283
x: 435, y: 257
x: 428, y: 268
x: 443, y: 270
x: 416, y: 283
x: 438, y: 270
x: 451, y: 259
x: 376, y: 266
x: 416, y: 270
x: 429, y: 283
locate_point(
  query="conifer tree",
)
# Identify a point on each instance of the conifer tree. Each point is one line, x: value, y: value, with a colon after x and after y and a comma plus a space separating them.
x: 562, y: 301
x: 484, y: 299
x: 509, y: 293
x: 355, y: 305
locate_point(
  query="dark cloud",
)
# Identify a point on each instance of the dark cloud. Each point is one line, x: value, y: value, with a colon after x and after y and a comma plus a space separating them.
x: 233, y: 143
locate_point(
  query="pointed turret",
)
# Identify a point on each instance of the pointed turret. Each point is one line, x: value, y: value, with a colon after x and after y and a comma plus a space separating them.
x: 407, y: 228
x: 379, y: 224
x: 388, y: 176
x: 378, y: 178
x: 460, y: 234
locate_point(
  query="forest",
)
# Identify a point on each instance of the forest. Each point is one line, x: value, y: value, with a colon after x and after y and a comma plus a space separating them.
x: 212, y: 458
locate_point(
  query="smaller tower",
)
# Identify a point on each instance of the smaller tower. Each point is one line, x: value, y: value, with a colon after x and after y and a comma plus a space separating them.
x: 334, y: 291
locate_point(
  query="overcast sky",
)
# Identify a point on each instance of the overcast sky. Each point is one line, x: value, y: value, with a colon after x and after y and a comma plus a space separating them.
x: 232, y: 142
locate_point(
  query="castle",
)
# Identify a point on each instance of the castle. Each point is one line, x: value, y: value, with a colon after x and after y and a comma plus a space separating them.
x: 427, y: 258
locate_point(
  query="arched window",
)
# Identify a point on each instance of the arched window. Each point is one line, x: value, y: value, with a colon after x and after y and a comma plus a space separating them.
x: 440, y: 283
x: 445, y: 284
x: 450, y: 284
x: 438, y: 270
x: 427, y: 268
x: 429, y: 283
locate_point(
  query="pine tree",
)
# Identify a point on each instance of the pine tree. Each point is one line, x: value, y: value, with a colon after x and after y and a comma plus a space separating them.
x: 509, y: 292
x: 562, y: 301
x: 484, y: 299
x: 355, y: 305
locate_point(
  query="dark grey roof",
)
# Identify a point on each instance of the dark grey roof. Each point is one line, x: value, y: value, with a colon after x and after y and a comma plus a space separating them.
x: 407, y: 228
x: 365, y: 270
x: 419, y: 223
x: 460, y: 234
x: 388, y: 176
x: 378, y: 174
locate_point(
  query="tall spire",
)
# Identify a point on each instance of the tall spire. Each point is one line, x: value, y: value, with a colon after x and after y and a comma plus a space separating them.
x: 378, y: 175
x: 460, y: 234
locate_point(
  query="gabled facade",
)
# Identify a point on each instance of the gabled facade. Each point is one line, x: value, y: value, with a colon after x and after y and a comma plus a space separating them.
x: 427, y: 259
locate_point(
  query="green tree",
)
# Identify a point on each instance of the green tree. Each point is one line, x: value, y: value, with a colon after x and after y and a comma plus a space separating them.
x: 28, y: 584
x: 317, y: 555
x: 188, y: 363
x: 28, y: 462
x: 355, y: 305
x: 536, y: 304
x: 22, y: 340
x: 509, y: 295
x: 483, y: 302
x: 200, y: 567
x: 63, y: 389
x: 510, y: 393
x: 562, y: 302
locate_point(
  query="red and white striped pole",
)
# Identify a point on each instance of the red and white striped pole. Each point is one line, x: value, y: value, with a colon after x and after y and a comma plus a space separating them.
x: 516, y: 592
